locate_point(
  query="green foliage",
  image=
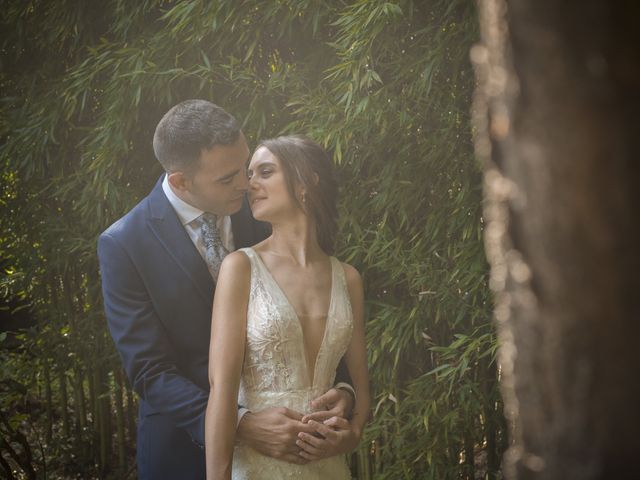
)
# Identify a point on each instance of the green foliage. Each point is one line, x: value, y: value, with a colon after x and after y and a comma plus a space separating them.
x: 384, y: 85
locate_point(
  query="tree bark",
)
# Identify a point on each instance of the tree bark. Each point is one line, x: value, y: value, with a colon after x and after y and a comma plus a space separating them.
x: 556, y: 113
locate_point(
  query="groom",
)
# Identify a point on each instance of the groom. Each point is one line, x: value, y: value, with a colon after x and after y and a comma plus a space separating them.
x: 158, y: 265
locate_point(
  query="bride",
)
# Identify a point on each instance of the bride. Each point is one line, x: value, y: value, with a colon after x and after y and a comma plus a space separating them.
x: 285, y: 313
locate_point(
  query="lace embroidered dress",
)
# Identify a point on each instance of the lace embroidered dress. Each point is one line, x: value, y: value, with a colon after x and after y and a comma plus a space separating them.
x: 275, y: 373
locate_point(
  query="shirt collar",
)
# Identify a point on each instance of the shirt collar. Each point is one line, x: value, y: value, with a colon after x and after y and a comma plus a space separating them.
x: 186, y: 213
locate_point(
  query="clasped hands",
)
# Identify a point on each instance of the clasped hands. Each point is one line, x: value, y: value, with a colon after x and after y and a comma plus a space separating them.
x: 290, y: 436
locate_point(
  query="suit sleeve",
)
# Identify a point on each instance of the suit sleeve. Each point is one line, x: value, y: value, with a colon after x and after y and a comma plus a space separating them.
x: 342, y: 373
x: 147, y: 355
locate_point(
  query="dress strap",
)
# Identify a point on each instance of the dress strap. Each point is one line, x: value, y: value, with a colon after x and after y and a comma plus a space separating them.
x: 248, y: 251
x: 338, y: 271
x: 251, y: 255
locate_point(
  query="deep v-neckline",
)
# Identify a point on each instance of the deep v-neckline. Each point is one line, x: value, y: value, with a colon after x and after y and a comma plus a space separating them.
x: 297, y: 317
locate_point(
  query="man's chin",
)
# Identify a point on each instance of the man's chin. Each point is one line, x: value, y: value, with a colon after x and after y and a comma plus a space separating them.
x: 235, y: 206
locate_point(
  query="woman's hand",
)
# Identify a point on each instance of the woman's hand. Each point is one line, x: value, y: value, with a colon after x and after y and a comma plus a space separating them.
x: 334, y: 436
x: 274, y: 432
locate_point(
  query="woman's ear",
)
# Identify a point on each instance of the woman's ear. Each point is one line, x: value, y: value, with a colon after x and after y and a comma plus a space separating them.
x: 316, y: 178
x: 301, y: 193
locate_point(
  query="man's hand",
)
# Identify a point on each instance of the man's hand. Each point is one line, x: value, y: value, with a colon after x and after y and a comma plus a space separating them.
x: 336, y: 402
x: 333, y: 437
x: 274, y: 432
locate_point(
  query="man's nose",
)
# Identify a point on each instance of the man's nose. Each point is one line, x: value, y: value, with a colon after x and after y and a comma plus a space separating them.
x: 243, y: 181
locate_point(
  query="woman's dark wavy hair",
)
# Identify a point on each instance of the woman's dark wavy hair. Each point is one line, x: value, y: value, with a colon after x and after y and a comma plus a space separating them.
x: 306, y: 163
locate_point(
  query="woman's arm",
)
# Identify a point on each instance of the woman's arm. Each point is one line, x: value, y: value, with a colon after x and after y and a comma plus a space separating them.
x: 340, y: 435
x: 356, y: 356
x: 226, y: 353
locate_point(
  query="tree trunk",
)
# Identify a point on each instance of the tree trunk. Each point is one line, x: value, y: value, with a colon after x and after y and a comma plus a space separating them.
x: 556, y: 113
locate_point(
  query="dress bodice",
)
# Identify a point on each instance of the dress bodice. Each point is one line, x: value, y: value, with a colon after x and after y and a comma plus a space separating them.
x: 275, y: 365
x: 275, y: 373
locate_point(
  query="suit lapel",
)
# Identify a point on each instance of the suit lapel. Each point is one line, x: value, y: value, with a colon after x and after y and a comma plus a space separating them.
x: 167, y: 228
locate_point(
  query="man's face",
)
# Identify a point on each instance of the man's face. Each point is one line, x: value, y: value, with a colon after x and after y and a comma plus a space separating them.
x: 220, y: 181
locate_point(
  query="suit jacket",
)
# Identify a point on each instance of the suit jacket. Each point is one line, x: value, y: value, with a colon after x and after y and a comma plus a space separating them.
x: 158, y: 295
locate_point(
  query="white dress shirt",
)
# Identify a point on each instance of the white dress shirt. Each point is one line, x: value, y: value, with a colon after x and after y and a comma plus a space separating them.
x: 188, y: 214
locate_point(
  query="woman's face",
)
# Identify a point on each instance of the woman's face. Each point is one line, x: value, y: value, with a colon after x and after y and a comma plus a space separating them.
x: 269, y: 197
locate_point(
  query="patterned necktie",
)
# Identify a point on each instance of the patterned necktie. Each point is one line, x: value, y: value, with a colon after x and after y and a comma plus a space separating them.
x: 213, y: 247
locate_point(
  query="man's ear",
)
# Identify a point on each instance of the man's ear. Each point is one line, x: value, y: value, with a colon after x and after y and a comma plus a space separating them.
x: 178, y: 181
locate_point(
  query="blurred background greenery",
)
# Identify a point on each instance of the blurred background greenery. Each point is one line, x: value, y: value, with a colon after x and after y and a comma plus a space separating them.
x: 386, y: 86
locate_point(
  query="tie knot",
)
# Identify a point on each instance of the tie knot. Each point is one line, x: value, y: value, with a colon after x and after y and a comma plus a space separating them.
x: 209, y: 219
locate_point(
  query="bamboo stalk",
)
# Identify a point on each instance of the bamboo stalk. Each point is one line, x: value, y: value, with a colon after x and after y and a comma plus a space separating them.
x: 92, y: 396
x: 64, y: 403
x: 488, y: 382
x: 102, y: 413
x: 97, y: 423
x: 363, y: 463
x: 80, y: 414
x: 492, y: 454
x: 469, y: 456
x: 7, y: 468
x: 131, y: 412
x: 78, y: 389
x: 103, y: 399
x: 17, y: 436
x: 120, y: 420
x: 6, y: 446
x: 48, y: 400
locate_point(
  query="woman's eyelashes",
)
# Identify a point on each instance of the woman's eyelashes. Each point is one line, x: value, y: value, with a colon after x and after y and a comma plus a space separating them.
x: 262, y: 172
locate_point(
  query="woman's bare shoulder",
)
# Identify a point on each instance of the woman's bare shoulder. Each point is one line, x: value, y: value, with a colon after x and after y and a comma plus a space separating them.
x: 236, y: 264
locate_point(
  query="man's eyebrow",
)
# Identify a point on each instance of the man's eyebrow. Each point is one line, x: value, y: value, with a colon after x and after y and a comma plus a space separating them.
x: 228, y: 176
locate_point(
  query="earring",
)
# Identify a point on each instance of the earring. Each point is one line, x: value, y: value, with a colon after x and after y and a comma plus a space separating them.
x: 304, y: 197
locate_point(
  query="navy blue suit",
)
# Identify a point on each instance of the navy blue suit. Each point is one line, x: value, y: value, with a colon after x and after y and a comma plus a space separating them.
x: 158, y: 296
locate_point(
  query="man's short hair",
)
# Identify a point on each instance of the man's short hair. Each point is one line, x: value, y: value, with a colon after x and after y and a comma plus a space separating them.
x: 189, y: 128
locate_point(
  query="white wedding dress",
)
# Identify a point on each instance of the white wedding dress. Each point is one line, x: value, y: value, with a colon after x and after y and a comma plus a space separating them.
x: 275, y: 373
